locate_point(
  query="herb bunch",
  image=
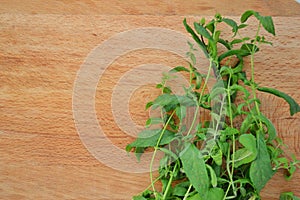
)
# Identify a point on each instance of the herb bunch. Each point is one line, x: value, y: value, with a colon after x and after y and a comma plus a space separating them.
x: 235, y: 153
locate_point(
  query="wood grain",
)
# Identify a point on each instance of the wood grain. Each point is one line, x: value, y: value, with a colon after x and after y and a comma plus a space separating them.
x: 43, y: 45
x: 148, y: 7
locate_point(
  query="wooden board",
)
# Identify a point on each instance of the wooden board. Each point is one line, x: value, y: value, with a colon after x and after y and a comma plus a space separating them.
x: 43, y: 45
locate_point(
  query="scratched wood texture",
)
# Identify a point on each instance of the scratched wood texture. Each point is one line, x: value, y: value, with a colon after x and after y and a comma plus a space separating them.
x: 43, y: 45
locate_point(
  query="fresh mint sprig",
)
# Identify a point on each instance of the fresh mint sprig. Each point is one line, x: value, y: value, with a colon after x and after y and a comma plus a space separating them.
x: 233, y: 155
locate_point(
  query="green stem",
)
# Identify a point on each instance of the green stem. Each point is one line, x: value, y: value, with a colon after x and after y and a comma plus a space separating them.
x: 187, y: 192
x: 155, y: 150
x: 230, y: 172
x: 211, y: 63
x: 200, y: 97
x: 253, y: 85
x: 170, y: 181
x: 157, y: 179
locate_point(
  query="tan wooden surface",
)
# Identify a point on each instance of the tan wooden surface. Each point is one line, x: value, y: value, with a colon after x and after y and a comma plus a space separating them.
x: 43, y: 45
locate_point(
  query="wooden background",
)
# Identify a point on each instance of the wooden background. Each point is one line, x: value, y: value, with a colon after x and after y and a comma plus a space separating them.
x: 43, y: 45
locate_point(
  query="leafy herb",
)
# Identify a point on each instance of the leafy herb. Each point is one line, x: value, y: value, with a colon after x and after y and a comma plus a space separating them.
x: 233, y: 155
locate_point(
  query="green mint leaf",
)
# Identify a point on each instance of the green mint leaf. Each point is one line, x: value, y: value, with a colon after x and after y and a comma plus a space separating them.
x: 261, y: 169
x: 294, y: 106
x: 250, y: 48
x: 247, y: 154
x: 236, y: 87
x: 211, y: 26
x: 148, y: 105
x: 236, y: 41
x: 199, y: 79
x: 149, y: 138
x: 242, y: 26
x: 152, y: 121
x: 195, y: 37
x: 216, y: 194
x: 165, y: 100
x: 217, y: 156
x: 180, y: 189
x: 249, y: 142
x: 267, y: 23
x: 202, y: 31
x: 169, y: 152
x: 225, y: 43
x: 195, y: 197
x: 179, y: 69
x: 213, y: 176
x: 288, y: 196
x: 180, y: 112
x: 231, y: 23
x: 167, y: 90
x: 271, y: 128
x: 243, y: 156
x: 138, y: 198
x: 247, y: 14
x: 195, y: 169
x: 238, y: 52
x: 213, y: 194
x: 187, y: 101
x: 246, y: 124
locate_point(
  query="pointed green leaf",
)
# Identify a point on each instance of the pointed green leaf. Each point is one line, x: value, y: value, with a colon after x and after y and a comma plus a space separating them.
x: 202, y: 31
x: 179, y: 69
x: 247, y: 14
x: 243, y: 156
x: 152, y: 121
x: 195, y: 37
x: 181, y: 112
x: 217, y: 156
x: 186, y: 101
x: 249, y: 142
x: 271, y: 128
x: 167, y: 90
x: 216, y: 194
x: 267, y: 23
x: 237, y: 52
x: 294, y: 106
x: 165, y: 100
x: 195, y: 169
x: 261, y: 169
x: 213, y: 194
x: 180, y: 189
x: 213, y: 176
x: 149, y: 138
x: 237, y: 87
x: 159, y: 85
x: 138, y: 198
x: 195, y: 197
x: 230, y: 131
x: 250, y: 48
x: 246, y: 123
x: 231, y: 23
x: 242, y: 26
x: 225, y: 43
x: 288, y: 196
x: 148, y: 105
x: 211, y: 26
x: 236, y: 41
x: 169, y: 152
x: 199, y: 79
x: 247, y: 154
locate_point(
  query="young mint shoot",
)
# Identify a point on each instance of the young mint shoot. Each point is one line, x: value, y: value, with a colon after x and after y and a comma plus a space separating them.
x: 235, y: 153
